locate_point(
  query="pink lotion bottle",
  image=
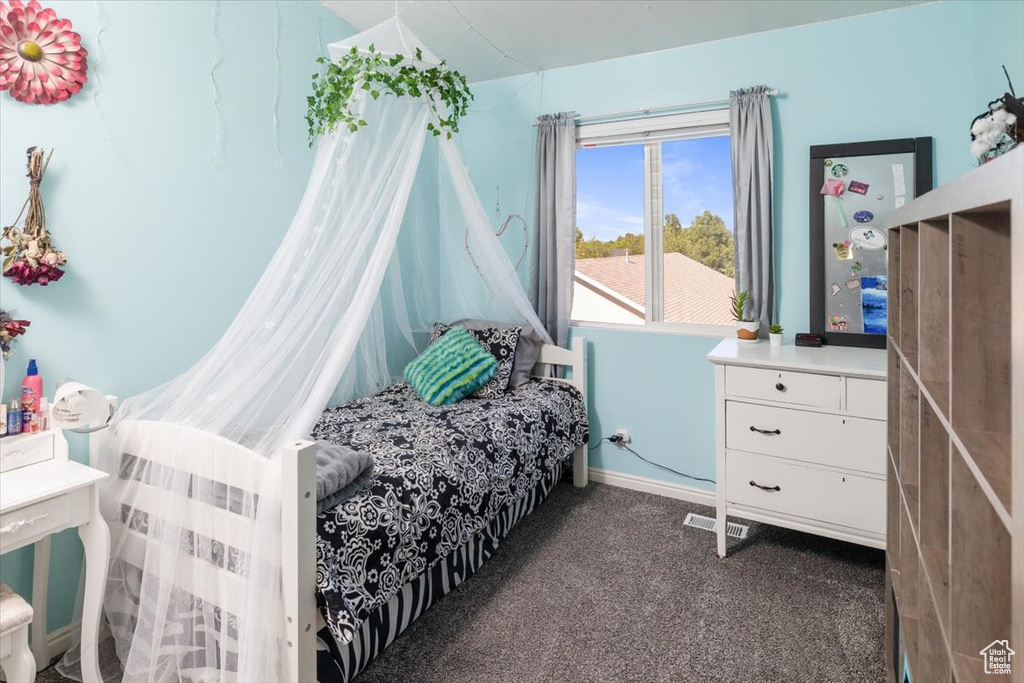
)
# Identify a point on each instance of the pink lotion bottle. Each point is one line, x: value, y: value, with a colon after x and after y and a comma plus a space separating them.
x: 31, y: 392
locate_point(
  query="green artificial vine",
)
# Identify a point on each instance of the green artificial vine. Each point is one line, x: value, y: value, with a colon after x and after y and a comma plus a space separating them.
x: 331, y: 101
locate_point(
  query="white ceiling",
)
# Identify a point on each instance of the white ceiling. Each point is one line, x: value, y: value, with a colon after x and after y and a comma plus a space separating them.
x: 545, y: 35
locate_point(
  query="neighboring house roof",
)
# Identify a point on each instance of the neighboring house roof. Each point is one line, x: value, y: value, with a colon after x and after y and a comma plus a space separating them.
x: 694, y: 293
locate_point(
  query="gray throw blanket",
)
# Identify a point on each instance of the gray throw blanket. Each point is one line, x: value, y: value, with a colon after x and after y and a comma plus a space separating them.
x: 340, y: 473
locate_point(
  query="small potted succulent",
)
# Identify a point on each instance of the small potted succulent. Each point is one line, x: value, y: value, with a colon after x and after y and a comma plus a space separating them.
x: 775, y: 335
x: 746, y: 328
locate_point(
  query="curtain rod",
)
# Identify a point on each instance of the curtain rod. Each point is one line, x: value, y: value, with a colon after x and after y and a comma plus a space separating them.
x: 651, y: 111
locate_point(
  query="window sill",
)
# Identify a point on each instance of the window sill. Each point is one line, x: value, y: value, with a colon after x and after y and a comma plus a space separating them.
x: 661, y: 328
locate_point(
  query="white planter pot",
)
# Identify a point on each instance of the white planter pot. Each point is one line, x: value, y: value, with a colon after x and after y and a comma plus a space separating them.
x: 747, y: 331
x: 775, y: 340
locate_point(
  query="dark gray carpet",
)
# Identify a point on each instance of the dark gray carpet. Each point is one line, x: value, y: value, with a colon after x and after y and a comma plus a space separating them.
x: 606, y: 584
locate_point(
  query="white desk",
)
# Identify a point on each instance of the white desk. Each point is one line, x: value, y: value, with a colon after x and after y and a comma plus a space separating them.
x: 45, y: 497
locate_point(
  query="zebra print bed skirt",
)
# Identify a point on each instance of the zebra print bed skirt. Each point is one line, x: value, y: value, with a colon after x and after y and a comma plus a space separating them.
x: 341, y: 662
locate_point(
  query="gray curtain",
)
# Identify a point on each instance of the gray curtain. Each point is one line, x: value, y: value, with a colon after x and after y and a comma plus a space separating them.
x: 750, y: 129
x: 553, y: 256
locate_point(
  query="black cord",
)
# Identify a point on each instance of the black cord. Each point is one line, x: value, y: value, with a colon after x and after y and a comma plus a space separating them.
x: 618, y: 441
x: 667, y: 469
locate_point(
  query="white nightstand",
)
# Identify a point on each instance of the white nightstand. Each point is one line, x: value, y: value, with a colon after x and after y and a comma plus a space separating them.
x: 44, y: 492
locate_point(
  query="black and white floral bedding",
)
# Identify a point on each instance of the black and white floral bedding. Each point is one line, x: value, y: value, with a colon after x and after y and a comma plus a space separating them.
x: 441, y: 474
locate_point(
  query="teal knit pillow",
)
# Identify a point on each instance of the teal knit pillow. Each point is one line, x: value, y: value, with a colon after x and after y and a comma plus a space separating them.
x: 451, y: 368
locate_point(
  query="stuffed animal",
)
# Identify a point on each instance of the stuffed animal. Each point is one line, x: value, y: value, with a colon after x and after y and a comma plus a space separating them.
x: 989, y: 134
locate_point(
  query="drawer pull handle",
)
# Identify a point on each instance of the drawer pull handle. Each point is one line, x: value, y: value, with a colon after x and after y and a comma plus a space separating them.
x: 769, y: 432
x: 764, y: 488
x: 780, y: 386
x: 18, y: 524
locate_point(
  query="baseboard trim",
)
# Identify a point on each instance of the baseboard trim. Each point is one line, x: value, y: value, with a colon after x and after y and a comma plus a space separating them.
x: 60, y: 640
x: 690, y: 494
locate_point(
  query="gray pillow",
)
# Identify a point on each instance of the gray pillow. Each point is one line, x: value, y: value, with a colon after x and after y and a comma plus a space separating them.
x: 527, y: 351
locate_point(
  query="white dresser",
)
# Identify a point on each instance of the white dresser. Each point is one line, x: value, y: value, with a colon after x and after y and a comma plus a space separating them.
x: 800, y: 439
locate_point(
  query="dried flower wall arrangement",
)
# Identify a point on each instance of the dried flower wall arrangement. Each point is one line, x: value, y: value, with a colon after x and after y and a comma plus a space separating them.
x: 10, y: 327
x: 30, y: 257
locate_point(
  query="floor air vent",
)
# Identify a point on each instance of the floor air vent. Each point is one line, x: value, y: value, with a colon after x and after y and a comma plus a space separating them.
x: 708, y: 524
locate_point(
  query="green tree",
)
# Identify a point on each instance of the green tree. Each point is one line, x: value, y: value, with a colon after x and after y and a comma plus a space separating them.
x: 592, y: 248
x: 673, y: 236
x: 708, y: 241
x: 631, y: 242
x: 595, y: 248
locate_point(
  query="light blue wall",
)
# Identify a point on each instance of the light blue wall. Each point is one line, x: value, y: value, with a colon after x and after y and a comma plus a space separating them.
x: 902, y: 73
x: 998, y: 32
x: 163, y: 243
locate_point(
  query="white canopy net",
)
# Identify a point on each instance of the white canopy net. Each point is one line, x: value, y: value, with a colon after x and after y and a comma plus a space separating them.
x: 389, y: 237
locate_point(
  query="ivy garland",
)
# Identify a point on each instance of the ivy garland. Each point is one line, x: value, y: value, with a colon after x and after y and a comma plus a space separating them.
x: 330, y: 103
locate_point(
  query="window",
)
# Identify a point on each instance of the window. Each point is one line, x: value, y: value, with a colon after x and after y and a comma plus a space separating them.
x: 654, y: 214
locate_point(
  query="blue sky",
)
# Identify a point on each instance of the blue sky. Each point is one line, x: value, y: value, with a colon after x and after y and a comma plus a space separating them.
x: 697, y: 175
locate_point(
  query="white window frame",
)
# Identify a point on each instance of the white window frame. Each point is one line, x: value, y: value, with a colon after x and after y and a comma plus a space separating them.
x: 651, y: 132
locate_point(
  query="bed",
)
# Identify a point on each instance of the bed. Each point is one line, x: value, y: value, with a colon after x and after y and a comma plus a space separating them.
x: 449, y: 484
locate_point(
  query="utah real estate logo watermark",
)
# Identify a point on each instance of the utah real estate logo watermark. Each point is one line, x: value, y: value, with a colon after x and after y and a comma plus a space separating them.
x: 997, y: 657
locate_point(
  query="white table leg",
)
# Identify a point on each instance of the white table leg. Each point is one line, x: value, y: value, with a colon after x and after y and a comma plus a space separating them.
x: 96, y: 540
x: 40, y: 590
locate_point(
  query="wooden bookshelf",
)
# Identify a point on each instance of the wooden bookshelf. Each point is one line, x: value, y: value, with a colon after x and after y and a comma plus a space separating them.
x: 908, y: 293
x: 893, y: 421
x: 981, y: 361
x: 895, y: 263
x: 933, y: 306
x: 910, y: 398
x: 955, y: 551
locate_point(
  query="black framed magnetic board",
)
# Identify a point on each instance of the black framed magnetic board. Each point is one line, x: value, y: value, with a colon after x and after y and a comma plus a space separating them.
x: 853, y: 189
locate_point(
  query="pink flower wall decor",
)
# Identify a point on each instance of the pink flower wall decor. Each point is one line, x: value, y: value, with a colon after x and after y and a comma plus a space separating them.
x: 42, y: 60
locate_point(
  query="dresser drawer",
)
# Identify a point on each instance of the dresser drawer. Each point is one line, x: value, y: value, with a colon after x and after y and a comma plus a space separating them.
x: 25, y: 449
x: 866, y: 396
x: 802, y: 491
x: 851, y: 442
x: 801, y: 388
x: 34, y: 521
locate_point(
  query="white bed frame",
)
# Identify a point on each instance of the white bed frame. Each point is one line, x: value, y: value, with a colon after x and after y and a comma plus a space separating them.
x: 214, y: 458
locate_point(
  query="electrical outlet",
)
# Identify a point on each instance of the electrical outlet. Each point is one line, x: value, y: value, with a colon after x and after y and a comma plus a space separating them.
x: 623, y: 435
